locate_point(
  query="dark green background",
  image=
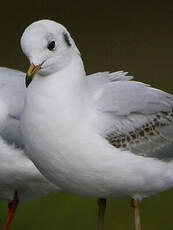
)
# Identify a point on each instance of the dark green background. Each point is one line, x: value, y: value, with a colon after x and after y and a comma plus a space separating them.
x: 133, y: 36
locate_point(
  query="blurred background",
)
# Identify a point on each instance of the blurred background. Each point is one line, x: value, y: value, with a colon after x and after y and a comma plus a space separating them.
x: 112, y: 35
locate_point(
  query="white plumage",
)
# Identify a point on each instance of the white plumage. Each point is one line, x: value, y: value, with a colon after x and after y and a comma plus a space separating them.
x: 72, y: 119
x: 98, y: 137
x: 17, y: 172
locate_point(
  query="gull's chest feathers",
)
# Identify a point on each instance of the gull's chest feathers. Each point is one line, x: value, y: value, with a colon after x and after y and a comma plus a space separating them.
x: 57, y: 110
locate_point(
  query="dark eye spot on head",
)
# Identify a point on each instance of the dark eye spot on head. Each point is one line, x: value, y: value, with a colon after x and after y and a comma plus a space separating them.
x: 51, y: 45
x: 67, y: 39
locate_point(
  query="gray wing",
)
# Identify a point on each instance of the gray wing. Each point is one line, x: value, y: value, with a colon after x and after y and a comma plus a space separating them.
x: 137, y: 117
x: 12, y: 94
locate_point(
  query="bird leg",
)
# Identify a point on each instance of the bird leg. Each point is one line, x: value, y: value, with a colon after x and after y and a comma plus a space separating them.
x: 101, y: 213
x: 12, y: 205
x: 136, y: 206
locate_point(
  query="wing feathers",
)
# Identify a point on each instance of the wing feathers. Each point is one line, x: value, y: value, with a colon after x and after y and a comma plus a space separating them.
x: 139, y: 117
x: 125, y: 97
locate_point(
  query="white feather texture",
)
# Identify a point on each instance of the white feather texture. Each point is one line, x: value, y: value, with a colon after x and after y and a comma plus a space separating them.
x: 17, y: 172
x: 72, y: 135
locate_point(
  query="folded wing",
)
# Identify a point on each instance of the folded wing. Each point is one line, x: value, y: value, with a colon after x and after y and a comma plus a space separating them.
x: 139, y: 117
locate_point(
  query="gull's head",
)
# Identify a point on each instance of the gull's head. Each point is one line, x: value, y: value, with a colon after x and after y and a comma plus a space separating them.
x: 48, y: 46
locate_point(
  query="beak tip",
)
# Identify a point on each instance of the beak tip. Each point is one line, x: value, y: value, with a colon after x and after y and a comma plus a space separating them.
x: 28, y: 80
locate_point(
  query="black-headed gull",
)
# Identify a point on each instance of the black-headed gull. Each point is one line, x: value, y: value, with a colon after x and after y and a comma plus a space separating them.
x: 109, y: 139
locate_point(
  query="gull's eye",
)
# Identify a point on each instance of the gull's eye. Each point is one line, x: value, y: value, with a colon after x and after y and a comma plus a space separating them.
x: 51, y: 45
